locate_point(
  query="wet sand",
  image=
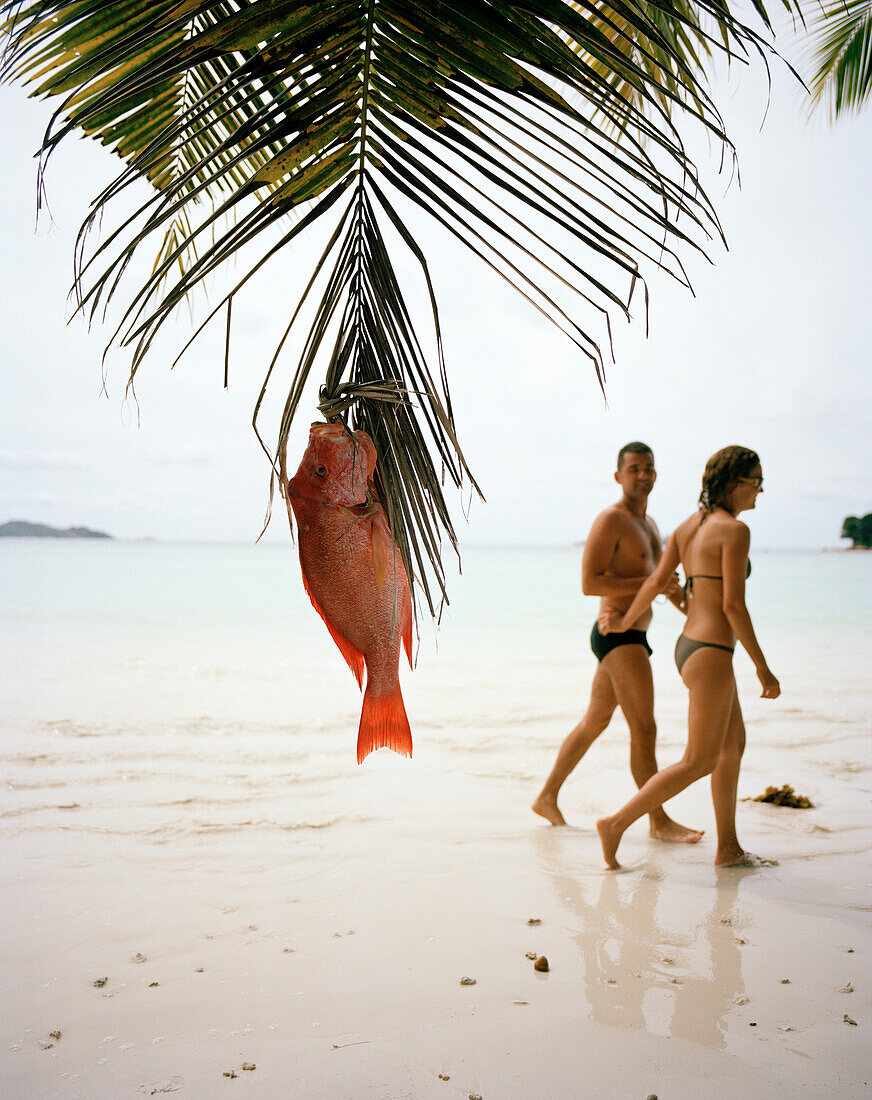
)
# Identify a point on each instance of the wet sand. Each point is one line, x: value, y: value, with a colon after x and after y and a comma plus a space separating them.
x: 340, y: 975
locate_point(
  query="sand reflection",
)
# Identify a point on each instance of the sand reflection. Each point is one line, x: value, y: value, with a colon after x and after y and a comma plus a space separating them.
x: 660, y: 945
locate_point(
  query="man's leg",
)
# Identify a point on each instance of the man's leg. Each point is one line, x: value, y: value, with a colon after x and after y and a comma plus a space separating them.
x: 597, y: 716
x: 629, y: 670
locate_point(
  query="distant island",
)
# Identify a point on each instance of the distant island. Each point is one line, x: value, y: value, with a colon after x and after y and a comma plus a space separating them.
x: 19, y: 528
x: 859, y: 531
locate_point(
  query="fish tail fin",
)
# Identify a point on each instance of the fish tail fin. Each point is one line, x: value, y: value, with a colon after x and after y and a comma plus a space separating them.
x: 383, y: 724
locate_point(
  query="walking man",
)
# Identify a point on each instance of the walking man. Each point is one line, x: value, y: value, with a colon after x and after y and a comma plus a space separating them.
x: 622, y: 549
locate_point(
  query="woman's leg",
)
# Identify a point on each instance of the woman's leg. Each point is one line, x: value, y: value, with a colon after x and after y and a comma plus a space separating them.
x: 708, y: 674
x: 725, y: 782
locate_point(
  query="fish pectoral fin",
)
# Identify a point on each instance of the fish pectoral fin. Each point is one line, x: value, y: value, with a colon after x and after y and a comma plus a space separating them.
x: 383, y: 724
x: 382, y: 548
x: 352, y: 655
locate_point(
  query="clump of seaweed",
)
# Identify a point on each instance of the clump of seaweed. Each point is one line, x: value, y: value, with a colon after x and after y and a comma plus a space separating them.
x: 785, y: 796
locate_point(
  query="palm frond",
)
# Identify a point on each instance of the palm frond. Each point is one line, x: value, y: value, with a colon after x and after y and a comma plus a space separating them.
x: 839, y: 57
x: 542, y: 135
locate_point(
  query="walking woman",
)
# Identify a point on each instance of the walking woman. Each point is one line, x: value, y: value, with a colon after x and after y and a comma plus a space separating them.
x: 712, y: 546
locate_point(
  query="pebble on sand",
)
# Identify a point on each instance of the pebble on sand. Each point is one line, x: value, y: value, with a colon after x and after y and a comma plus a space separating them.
x: 846, y: 988
x: 847, y: 1019
x: 229, y: 1073
x: 139, y: 958
x: 467, y: 981
x: 534, y: 920
x: 444, y: 1077
x: 98, y: 983
x: 531, y: 955
x: 541, y: 964
x: 248, y: 1066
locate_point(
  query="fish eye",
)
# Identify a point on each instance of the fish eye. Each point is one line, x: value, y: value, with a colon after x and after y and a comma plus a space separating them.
x: 321, y: 471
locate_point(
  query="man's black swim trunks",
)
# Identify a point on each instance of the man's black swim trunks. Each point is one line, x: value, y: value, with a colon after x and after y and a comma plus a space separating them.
x: 601, y: 644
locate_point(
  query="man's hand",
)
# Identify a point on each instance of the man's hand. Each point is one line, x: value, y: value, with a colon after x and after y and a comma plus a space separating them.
x: 674, y: 591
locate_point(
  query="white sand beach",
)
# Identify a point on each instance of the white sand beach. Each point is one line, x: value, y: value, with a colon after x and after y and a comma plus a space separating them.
x: 186, y: 821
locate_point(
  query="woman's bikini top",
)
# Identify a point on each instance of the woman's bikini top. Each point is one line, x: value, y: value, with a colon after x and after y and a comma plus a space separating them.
x: 688, y: 584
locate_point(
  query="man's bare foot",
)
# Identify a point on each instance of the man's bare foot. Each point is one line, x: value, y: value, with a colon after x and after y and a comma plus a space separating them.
x: 736, y: 857
x: 610, y: 841
x: 547, y: 807
x: 673, y: 833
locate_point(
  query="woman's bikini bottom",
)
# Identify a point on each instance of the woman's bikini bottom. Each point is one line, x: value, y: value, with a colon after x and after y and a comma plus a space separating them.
x: 685, y: 646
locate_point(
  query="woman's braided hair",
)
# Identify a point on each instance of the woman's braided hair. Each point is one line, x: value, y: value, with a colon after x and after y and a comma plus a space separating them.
x: 721, y: 471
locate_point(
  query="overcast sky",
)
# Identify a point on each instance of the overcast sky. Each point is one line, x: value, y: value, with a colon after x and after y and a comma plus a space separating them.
x: 773, y: 352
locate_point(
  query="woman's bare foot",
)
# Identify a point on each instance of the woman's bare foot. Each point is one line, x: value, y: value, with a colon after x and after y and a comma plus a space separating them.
x: 737, y: 857
x: 666, y: 829
x: 546, y: 807
x: 610, y: 839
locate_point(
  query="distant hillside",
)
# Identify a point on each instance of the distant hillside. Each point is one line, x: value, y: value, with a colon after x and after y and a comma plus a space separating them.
x: 20, y: 528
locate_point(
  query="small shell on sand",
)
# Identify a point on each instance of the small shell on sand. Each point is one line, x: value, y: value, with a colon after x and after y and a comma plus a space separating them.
x: 467, y: 981
x: 54, y: 1035
x: 139, y: 958
x: 541, y: 964
x: 249, y: 1066
x: 846, y: 989
x: 531, y: 955
x: 847, y: 1019
x: 444, y: 1077
x: 785, y: 981
x: 229, y: 1073
x: 534, y: 920
x: 98, y: 983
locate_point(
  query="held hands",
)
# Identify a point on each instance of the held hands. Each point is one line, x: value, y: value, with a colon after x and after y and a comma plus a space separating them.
x: 771, y: 687
x: 673, y: 590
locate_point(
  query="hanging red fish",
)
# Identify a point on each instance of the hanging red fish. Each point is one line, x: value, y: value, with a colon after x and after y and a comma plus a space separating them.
x: 354, y: 576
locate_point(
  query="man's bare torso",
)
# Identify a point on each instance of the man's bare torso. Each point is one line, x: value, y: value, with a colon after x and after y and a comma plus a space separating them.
x: 636, y: 551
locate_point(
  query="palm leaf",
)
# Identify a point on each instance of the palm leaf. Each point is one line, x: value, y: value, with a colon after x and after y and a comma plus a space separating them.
x: 542, y: 135
x: 838, y: 52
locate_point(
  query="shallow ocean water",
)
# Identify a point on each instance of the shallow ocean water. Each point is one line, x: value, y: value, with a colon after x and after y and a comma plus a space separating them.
x: 194, y: 686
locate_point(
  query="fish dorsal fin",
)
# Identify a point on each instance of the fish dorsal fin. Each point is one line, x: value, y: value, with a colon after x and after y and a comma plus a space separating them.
x: 353, y: 656
x: 407, y: 641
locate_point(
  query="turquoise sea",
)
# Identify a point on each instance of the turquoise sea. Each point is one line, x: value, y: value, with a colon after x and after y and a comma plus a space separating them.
x: 195, y: 685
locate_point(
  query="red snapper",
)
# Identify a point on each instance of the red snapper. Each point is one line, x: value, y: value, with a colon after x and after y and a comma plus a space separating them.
x: 354, y: 576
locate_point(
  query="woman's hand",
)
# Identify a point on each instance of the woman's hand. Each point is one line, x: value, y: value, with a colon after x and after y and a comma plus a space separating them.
x: 609, y: 621
x: 771, y: 687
